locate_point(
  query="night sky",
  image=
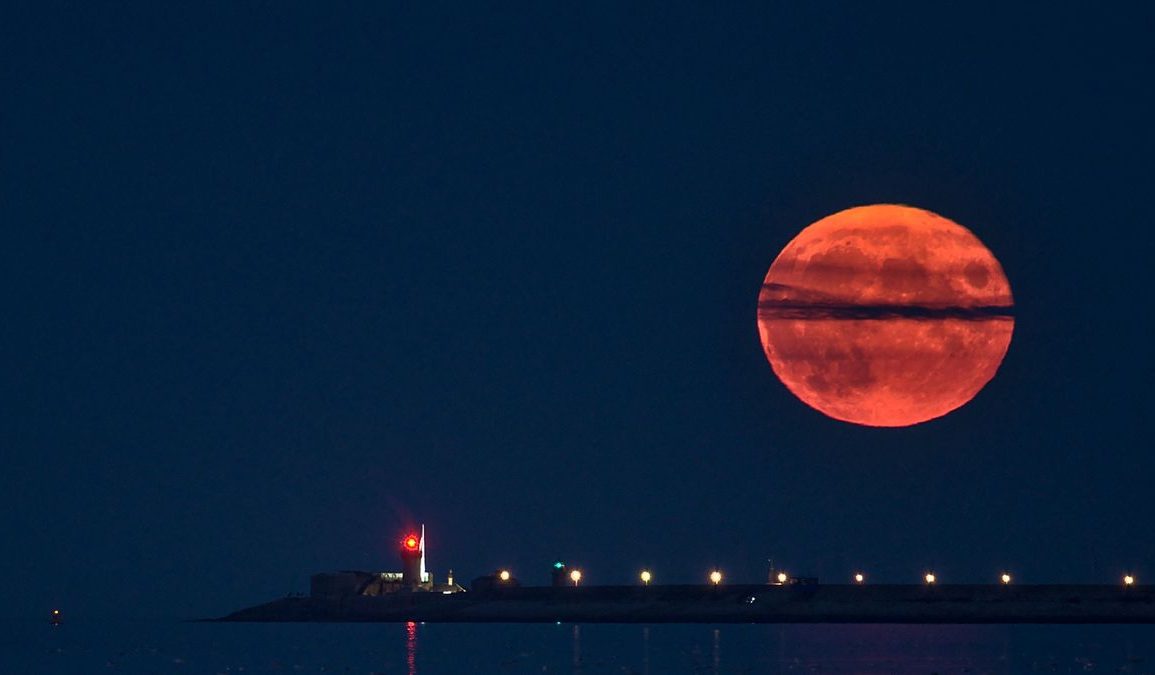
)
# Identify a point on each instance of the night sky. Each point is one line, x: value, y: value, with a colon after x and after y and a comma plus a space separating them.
x: 281, y: 281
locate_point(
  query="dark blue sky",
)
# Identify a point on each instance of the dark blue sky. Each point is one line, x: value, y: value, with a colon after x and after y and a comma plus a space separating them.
x: 279, y: 281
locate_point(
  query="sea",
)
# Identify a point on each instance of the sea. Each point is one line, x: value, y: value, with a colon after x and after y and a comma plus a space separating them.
x: 164, y: 646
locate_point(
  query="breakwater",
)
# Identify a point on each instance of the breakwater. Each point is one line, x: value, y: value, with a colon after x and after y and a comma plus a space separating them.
x: 732, y: 604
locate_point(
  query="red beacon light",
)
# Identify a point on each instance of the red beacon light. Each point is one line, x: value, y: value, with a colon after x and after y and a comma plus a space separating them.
x: 411, y: 542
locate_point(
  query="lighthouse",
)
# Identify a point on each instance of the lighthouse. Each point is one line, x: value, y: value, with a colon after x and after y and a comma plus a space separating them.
x: 412, y: 559
x: 413, y: 575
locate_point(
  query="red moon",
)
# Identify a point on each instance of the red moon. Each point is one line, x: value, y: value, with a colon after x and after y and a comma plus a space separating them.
x: 885, y: 315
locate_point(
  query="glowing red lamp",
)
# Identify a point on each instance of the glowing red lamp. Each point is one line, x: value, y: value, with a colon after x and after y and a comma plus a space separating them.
x: 411, y: 542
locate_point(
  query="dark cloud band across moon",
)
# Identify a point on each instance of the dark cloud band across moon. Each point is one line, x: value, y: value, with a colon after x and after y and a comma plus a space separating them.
x: 803, y: 310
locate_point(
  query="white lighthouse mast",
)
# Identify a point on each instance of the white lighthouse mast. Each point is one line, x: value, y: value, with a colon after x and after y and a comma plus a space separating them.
x: 424, y: 574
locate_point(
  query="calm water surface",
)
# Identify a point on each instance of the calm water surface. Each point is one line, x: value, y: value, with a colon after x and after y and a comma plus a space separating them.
x: 434, y: 649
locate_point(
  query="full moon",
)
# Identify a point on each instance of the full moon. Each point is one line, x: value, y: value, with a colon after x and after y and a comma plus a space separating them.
x: 885, y: 315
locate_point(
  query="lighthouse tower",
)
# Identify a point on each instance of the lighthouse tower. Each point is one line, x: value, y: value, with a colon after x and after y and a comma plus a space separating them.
x: 412, y: 551
x: 412, y: 559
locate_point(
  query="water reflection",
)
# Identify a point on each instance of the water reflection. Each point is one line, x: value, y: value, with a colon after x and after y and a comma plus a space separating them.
x: 717, y: 650
x: 146, y: 648
x: 577, y: 648
x: 645, y: 650
x: 892, y: 648
x: 411, y: 647
x: 829, y: 649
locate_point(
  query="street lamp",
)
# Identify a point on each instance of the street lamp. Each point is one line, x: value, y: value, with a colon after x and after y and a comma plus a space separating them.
x: 782, y: 577
x: 1005, y: 578
x: 859, y: 578
x: 715, y: 577
x: 646, y: 576
x: 504, y: 575
x: 930, y: 578
x: 1128, y: 580
x: 575, y: 576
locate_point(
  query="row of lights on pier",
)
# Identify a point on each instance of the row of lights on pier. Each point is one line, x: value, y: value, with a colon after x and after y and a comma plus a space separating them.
x: 1005, y: 578
x: 574, y: 575
x: 715, y: 577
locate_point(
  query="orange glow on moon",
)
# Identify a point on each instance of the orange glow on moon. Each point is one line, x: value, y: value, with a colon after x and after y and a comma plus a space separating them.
x: 885, y: 315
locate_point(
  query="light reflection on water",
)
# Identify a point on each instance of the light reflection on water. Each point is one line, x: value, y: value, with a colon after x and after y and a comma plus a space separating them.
x: 442, y: 649
x: 411, y: 647
x: 577, y: 648
x: 645, y: 650
x: 859, y: 649
x: 717, y: 649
